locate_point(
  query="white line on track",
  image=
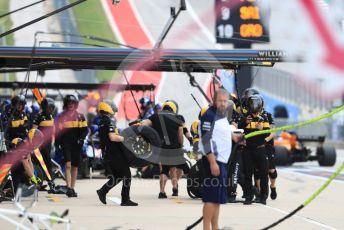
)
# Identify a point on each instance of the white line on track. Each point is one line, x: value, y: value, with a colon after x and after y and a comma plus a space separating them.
x: 306, y: 219
x: 308, y: 175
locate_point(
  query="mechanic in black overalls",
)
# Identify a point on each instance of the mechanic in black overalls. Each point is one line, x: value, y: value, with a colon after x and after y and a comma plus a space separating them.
x: 269, y: 144
x: 111, y: 144
x: 44, y: 121
x: 255, y: 154
x: 71, y: 130
x: 18, y: 128
x: 169, y: 126
x: 182, y: 169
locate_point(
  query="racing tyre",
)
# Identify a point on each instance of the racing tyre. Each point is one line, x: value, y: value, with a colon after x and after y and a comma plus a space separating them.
x: 326, y: 155
x: 141, y: 146
x: 194, y: 181
x: 188, y: 167
x: 282, y: 157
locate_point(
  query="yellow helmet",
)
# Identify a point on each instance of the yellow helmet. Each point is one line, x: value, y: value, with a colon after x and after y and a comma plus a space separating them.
x: 202, y: 112
x: 107, y: 106
x: 15, y: 142
x: 194, y: 126
x: 170, y: 105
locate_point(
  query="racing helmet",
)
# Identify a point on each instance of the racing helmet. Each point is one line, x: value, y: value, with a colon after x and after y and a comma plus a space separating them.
x: 171, y: 106
x: 35, y: 108
x: 18, y: 99
x: 202, y: 112
x: 48, y: 103
x: 145, y: 101
x: 70, y: 99
x: 107, y: 106
x: 255, y: 104
x: 246, y: 94
x: 175, y: 103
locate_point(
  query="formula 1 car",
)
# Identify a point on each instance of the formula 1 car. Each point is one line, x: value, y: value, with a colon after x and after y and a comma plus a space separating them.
x: 290, y: 148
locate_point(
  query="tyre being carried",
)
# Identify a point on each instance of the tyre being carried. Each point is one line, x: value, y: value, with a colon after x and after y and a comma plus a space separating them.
x: 141, y: 145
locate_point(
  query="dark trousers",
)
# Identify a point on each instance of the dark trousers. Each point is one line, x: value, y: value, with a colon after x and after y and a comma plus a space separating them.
x: 18, y: 175
x: 118, y: 171
x: 256, y: 158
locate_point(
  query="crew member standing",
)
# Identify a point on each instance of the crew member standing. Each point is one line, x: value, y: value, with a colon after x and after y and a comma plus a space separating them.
x: 270, y: 148
x: 216, y: 146
x: 111, y: 142
x: 71, y: 133
x: 178, y: 172
x: 255, y: 154
x: 44, y: 121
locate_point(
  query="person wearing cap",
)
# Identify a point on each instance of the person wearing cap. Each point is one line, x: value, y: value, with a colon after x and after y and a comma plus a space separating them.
x: 111, y: 144
x: 169, y: 126
x: 71, y: 131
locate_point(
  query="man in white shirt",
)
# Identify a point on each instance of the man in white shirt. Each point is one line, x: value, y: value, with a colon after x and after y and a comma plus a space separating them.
x: 215, y: 145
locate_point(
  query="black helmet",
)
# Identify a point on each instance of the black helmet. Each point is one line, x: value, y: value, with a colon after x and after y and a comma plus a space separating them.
x: 48, y: 103
x: 70, y: 99
x: 255, y: 104
x: 246, y: 94
x: 18, y: 99
x: 175, y: 103
x: 145, y: 101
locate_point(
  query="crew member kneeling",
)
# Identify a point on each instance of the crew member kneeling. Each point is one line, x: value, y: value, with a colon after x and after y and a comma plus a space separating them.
x: 116, y: 162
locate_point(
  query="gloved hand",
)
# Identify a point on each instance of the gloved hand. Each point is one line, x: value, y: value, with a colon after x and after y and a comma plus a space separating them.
x: 35, y: 180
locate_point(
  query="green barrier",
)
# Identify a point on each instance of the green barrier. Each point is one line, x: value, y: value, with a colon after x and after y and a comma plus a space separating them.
x: 326, y: 115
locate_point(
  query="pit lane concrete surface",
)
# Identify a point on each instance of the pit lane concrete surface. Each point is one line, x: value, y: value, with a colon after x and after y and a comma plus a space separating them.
x: 295, y: 185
